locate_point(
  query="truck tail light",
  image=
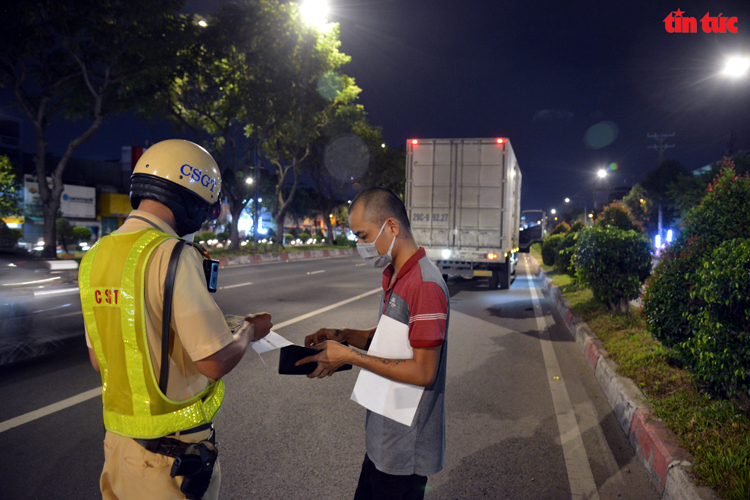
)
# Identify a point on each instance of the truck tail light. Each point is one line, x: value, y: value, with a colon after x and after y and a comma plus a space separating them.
x: 492, y: 256
x: 415, y: 141
x: 500, y: 141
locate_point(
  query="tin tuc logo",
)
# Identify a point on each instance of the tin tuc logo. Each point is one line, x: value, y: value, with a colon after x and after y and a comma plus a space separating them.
x: 676, y: 23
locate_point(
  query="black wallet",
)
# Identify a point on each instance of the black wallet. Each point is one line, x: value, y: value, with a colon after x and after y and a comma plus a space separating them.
x: 293, y: 353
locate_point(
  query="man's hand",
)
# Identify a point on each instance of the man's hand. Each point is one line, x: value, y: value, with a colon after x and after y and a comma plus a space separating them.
x: 330, y: 358
x: 261, y: 323
x: 324, y: 334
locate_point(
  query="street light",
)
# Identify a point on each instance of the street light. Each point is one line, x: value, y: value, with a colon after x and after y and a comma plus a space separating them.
x: 602, y: 173
x: 553, y: 211
x: 567, y: 200
x: 736, y: 66
x: 314, y: 12
x: 249, y: 180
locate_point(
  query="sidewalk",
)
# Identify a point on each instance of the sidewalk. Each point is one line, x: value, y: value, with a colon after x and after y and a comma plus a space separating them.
x: 665, y: 462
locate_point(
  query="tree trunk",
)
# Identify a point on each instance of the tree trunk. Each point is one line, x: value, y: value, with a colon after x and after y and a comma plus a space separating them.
x: 329, y: 228
x: 234, y: 232
x: 280, y: 227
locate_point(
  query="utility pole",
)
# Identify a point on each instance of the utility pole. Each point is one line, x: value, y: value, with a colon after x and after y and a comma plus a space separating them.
x: 660, y: 148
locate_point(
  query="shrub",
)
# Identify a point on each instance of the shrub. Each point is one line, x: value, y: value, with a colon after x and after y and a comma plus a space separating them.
x: 288, y: 237
x: 577, y: 226
x: 208, y: 235
x: 342, y: 240
x: 82, y: 233
x: 613, y: 263
x: 720, y: 349
x: 561, y: 228
x: 616, y: 215
x: 724, y: 214
x: 549, y: 249
x: 304, y: 237
x: 666, y: 298
x: 223, y: 236
x: 565, y: 250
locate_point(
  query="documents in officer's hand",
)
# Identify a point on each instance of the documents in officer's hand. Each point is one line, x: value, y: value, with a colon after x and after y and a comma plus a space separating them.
x: 270, y: 342
x: 290, y: 354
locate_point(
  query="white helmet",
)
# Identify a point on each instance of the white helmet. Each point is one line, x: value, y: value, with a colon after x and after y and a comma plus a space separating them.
x: 184, y: 177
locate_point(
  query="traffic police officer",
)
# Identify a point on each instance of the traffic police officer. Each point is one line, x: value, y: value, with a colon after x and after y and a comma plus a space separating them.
x: 175, y: 187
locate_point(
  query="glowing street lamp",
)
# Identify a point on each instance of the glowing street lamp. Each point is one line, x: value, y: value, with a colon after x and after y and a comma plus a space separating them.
x: 314, y: 12
x: 602, y: 173
x: 249, y: 180
x: 553, y: 211
x: 736, y: 66
x: 567, y: 200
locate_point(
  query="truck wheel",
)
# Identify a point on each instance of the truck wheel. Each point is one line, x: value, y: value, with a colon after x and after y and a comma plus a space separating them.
x: 494, y: 280
x: 504, y: 277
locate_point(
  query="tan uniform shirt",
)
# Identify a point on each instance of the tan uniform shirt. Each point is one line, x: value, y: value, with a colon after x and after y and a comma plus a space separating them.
x: 198, y: 322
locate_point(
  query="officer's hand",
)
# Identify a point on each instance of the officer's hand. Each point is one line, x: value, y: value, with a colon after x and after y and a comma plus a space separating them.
x: 262, y: 324
x: 321, y: 336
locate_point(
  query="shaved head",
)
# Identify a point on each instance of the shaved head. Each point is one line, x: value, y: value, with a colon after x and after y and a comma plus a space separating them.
x: 380, y: 204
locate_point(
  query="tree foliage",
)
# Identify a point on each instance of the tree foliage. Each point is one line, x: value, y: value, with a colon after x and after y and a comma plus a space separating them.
x: 10, y: 188
x: 82, y: 60
x: 678, y: 308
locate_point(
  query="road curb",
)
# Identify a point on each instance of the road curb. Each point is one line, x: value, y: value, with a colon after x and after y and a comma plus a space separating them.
x: 242, y: 260
x: 667, y: 465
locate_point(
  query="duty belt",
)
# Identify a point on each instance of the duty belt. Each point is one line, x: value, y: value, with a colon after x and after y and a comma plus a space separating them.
x: 174, y: 447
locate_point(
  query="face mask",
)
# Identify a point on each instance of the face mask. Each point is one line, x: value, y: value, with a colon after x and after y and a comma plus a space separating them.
x: 369, y: 252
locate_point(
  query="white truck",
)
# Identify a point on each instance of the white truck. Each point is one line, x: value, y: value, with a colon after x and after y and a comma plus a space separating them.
x: 463, y: 198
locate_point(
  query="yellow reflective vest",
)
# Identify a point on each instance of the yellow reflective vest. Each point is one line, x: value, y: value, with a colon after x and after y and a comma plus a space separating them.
x: 111, y: 282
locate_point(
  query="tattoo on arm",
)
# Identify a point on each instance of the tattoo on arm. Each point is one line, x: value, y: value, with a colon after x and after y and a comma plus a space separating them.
x: 389, y: 362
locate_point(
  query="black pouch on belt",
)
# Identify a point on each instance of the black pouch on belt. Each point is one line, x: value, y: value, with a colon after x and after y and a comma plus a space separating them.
x: 196, y: 464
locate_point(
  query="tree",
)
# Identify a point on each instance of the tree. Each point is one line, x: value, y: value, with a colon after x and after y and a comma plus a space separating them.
x: 640, y: 206
x: 9, y: 189
x: 341, y: 156
x: 657, y: 182
x: 308, y: 112
x: 82, y: 60
x: 65, y: 233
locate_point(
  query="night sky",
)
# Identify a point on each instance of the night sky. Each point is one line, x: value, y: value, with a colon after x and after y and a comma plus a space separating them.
x: 540, y: 73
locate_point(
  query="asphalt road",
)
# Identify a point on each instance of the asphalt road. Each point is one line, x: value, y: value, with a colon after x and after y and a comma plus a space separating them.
x: 526, y: 418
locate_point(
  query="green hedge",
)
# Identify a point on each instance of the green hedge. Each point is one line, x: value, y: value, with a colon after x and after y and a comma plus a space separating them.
x: 565, y: 250
x: 696, y: 302
x: 561, y: 228
x: 720, y: 348
x: 549, y: 249
x: 613, y: 263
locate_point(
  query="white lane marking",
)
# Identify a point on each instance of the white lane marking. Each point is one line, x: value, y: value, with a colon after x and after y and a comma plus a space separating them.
x: 85, y: 396
x: 316, y: 272
x: 362, y: 264
x: 580, y: 477
x: 326, y: 309
x: 234, y: 286
x: 77, y: 313
x: 66, y: 291
x: 48, y: 410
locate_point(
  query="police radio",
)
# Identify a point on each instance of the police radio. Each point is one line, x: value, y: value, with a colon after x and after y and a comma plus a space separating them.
x: 210, y: 269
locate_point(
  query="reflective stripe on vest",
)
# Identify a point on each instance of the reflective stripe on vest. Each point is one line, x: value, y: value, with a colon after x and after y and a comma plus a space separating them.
x: 111, y: 282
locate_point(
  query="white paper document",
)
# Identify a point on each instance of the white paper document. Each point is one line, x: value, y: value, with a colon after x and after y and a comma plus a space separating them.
x: 270, y: 342
x: 395, y: 400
